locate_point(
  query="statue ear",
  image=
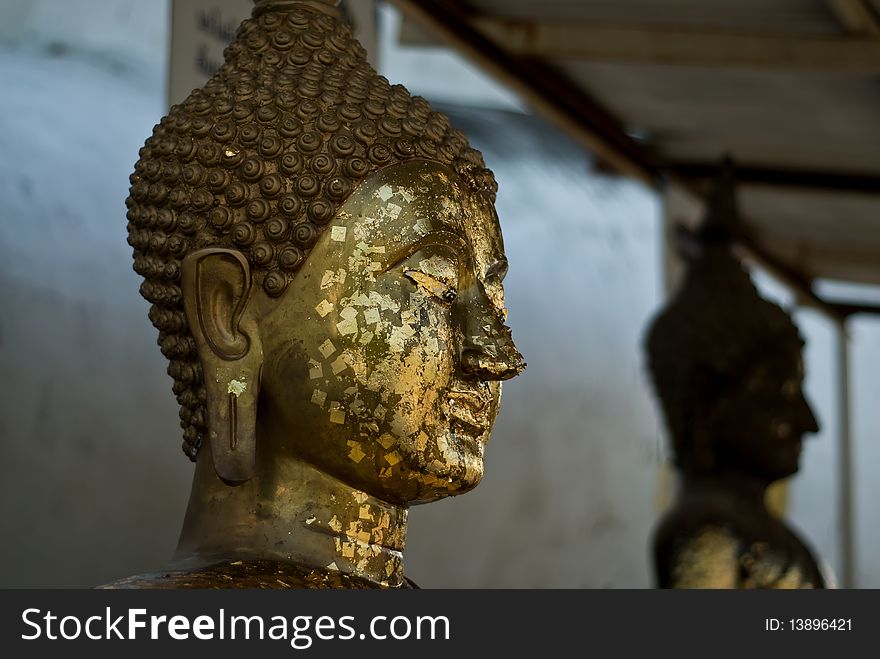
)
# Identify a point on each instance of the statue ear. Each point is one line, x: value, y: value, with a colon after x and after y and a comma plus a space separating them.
x: 216, y: 287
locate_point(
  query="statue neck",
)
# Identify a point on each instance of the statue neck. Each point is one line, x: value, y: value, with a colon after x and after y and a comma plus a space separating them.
x: 291, y: 512
x: 746, y: 489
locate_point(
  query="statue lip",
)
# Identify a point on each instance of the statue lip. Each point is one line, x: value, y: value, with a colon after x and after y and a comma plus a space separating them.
x: 470, y: 398
x: 469, y: 408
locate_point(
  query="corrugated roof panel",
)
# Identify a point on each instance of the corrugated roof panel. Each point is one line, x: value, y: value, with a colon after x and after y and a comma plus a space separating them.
x: 835, y: 236
x: 811, y: 121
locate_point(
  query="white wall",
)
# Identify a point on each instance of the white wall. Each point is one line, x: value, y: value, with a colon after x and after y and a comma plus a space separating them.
x: 119, y: 35
x: 94, y: 483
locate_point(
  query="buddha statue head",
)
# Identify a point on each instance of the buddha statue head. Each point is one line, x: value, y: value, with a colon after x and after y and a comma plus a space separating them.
x: 726, y: 363
x: 325, y: 265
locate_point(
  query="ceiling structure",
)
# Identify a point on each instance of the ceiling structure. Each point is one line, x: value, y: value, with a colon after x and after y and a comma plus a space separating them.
x: 661, y: 91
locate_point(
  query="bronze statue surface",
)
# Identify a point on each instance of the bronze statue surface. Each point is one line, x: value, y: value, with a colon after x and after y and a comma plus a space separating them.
x: 251, y: 575
x: 324, y: 264
x: 727, y: 369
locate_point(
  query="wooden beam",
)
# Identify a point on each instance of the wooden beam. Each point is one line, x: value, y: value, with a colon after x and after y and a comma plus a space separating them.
x: 847, y: 309
x: 540, y: 85
x: 853, y: 182
x: 856, y: 17
x: 823, y: 259
x: 800, y: 285
x: 684, y: 46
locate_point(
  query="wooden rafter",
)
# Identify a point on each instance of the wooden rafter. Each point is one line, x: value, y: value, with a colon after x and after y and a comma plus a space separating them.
x: 857, y: 17
x: 853, y: 182
x: 685, y: 46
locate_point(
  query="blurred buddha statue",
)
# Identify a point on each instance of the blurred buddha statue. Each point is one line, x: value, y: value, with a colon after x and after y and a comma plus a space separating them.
x: 324, y: 263
x: 727, y: 369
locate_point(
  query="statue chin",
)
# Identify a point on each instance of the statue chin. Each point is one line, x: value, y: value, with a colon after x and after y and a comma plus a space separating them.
x: 325, y: 265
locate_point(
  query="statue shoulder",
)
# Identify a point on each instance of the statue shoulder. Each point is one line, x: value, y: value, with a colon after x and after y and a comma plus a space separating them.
x: 718, y: 555
x: 705, y: 557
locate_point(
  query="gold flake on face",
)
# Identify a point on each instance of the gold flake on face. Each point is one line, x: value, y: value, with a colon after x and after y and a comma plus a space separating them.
x: 406, y: 281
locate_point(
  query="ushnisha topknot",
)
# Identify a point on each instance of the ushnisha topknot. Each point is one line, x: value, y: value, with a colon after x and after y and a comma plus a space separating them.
x: 261, y: 158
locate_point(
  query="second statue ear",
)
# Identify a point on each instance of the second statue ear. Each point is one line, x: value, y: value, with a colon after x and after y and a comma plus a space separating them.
x: 216, y: 286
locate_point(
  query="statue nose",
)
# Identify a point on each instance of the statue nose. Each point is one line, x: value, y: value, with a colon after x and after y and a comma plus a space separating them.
x: 495, y: 361
x: 811, y: 425
x: 488, y: 351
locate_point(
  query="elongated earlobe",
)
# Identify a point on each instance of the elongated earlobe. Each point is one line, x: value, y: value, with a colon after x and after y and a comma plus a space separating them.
x: 216, y: 285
